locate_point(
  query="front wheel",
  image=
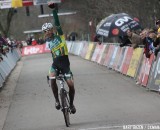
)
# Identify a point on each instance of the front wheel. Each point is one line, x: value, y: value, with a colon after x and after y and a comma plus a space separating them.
x: 65, y: 106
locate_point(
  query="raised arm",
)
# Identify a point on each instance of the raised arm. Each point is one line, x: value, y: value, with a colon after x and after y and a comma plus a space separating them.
x: 56, y: 18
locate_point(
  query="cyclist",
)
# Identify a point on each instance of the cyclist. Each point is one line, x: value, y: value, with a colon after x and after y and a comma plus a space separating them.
x: 58, y: 47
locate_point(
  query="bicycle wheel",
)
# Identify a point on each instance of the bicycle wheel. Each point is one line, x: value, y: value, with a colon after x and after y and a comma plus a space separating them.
x: 65, y: 106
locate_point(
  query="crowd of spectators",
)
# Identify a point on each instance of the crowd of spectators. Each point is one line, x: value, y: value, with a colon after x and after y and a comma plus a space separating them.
x: 147, y: 38
x: 8, y: 44
x: 32, y: 41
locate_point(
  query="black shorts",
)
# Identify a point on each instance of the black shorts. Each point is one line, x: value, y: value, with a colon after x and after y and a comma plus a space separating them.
x: 61, y: 64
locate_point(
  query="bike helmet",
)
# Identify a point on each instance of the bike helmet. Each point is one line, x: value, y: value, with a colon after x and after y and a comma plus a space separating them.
x: 47, y: 26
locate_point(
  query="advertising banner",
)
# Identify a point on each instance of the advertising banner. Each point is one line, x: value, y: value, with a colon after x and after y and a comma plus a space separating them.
x: 134, y: 62
x: 95, y: 53
x: 16, y: 3
x: 30, y: 50
x: 41, y: 2
x: 84, y: 49
x: 148, y: 65
x: 113, y: 57
x: 154, y: 77
x: 109, y: 55
x: 127, y: 59
x: 90, y: 51
x: 117, y: 57
x: 101, y: 53
x: 141, y: 70
x: 27, y: 2
x: 104, y: 54
x: 46, y: 47
x: 121, y: 59
x: 100, y: 47
x: 5, y: 4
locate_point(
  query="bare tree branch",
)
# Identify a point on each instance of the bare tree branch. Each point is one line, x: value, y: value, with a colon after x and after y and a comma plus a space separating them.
x: 6, y: 21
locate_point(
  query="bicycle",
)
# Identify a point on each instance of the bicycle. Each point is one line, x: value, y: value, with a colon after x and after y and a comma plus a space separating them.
x: 64, y: 97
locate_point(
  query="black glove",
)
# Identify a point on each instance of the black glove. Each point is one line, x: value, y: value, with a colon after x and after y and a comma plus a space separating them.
x: 51, y: 5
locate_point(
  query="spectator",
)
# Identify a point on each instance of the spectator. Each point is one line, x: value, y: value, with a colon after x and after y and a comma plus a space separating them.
x: 3, y: 41
x: 4, y: 46
x: 147, y: 42
x: 124, y: 40
x: 157, y: 39
x: 158, y: 25
x: 40, y: 41
x: 157, y: 46
x: 96, y: 39
x: 29, y: 41
x: 134, y: 38
x: 34, y: 42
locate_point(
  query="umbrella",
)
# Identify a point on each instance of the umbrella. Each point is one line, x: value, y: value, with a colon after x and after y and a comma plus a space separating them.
x: 117, y: 25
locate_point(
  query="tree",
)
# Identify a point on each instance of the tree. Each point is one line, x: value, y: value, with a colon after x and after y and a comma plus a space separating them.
x: 5, y: 21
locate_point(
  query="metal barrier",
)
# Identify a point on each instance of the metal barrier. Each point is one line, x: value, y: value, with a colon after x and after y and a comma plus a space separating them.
x: 8, y: 63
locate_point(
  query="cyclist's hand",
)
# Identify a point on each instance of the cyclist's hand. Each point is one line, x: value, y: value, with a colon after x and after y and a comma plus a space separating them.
x: 51, y: 5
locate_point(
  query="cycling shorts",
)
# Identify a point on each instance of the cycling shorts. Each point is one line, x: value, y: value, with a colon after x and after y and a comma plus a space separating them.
x: 61, y: 64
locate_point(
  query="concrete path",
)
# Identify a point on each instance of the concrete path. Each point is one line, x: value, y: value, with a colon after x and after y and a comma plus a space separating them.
x: 104, y: 99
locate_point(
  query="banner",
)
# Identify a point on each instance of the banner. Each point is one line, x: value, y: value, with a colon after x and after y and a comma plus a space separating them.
x: 101, y: 54
x: 84, y: 49
x: 100, y: 47
x: 30, y: 50
x: 113, y: 57
x: 90, y: 51
x: 116, y: 58
x: 136, y: 57
x: 154, y: 77
x: 148, y: 64
x: 109, y: 55
x: 16, y: 3
x: 120, y: 59
x: 5, y: 4
x: 27, y: 2
x: 127, y: 59
x: 41, y: 2
x: 96, y: 52
x: 102, y: 60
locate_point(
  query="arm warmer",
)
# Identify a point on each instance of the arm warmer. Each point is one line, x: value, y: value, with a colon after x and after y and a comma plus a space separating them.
x: 57, y: 23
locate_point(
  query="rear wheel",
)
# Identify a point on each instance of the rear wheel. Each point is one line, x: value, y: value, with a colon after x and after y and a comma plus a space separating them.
x: 65, y: 106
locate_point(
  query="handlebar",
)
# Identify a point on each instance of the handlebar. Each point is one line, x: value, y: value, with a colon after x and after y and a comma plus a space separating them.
x: 59, y: 77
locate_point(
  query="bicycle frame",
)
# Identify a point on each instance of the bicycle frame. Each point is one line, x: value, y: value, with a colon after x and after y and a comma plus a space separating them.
x: 64, y: 98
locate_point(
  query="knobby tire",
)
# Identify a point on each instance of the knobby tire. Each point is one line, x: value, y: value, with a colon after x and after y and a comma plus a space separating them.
x: 65, y: 106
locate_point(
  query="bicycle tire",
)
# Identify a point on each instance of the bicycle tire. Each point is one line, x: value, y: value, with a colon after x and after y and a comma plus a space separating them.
x: 65, y: 106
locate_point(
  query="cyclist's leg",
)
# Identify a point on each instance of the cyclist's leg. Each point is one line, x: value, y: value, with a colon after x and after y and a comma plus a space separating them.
x: 70, y: 83
x: 64, y: 66
x: 52, y: 73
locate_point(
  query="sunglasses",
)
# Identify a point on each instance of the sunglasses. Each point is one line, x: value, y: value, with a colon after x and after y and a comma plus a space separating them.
x: 47, y: 30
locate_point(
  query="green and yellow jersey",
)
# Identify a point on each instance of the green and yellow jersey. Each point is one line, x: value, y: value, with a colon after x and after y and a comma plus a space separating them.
x: 58, y: 44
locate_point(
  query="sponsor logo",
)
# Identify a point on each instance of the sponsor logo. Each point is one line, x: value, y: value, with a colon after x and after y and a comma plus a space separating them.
x: 103, y: 32
x: 32, y: 50
x: 115, y: 31
x: 107, y: 24
x: 121, y: 21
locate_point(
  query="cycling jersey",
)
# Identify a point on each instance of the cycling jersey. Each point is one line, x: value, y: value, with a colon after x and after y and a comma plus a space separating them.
x: 58, y: 46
